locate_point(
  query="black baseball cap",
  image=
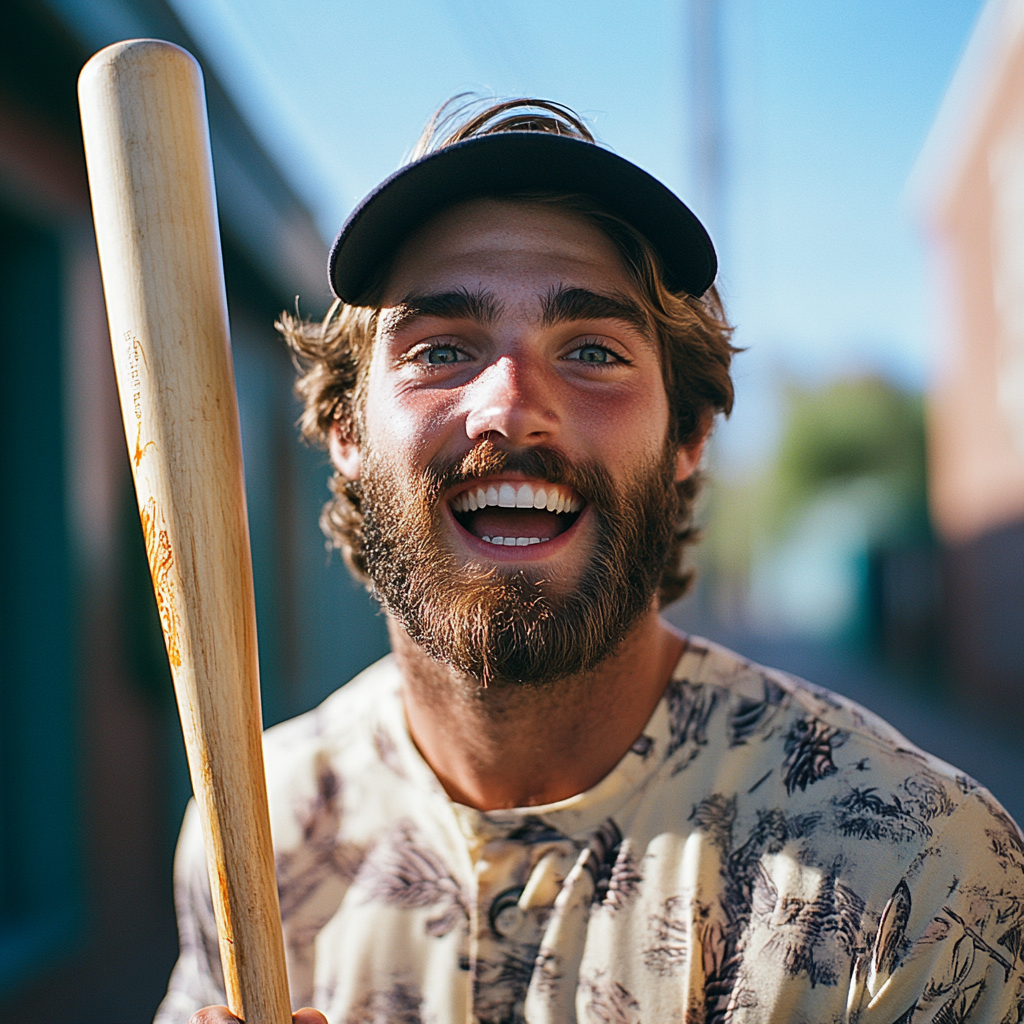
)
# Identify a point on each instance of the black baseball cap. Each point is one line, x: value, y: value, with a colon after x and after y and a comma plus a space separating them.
x: 507, y: 163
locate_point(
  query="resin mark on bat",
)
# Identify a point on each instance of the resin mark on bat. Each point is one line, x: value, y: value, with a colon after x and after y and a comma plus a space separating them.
x: 140, y: 448
x: 161, y: 562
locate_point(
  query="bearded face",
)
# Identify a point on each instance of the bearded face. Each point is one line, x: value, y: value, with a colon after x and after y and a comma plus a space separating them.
x: 508, y: 623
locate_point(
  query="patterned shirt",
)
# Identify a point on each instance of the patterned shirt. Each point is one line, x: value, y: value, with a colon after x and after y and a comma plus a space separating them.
x: 766, y: 851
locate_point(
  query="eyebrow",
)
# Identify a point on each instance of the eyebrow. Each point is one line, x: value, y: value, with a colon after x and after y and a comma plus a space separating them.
x: 559, y: 306
x: 564, y: 305
x: 462, y: 304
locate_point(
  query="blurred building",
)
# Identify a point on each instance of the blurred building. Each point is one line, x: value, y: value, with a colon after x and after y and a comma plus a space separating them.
x: 970, y: 183
x: 92, y: 777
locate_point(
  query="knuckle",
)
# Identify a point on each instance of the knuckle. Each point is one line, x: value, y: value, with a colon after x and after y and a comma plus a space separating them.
x: 213, y: 1015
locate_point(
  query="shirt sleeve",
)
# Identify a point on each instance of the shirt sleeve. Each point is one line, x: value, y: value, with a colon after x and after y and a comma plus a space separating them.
x: 948, y: 944
x: 197, y: 980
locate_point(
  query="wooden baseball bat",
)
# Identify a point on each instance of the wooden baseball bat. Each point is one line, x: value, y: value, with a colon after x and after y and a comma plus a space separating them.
x: 147, y: 148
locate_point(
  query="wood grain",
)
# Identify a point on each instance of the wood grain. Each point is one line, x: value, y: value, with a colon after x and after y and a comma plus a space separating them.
x: 151, y: 178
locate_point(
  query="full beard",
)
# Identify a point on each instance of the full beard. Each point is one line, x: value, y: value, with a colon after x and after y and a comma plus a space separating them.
x: 516, y: 626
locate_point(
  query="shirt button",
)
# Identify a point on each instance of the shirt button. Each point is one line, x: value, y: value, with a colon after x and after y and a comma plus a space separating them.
x: 506, y: 916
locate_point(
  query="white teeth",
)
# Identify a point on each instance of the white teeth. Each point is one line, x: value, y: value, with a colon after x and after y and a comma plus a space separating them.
x: 509, y: 496
x: 515, y: 542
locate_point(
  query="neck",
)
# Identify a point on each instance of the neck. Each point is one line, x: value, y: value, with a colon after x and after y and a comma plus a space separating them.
x: 511, y: 746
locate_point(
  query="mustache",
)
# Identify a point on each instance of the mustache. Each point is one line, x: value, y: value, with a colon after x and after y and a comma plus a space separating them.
x: 487, y: 459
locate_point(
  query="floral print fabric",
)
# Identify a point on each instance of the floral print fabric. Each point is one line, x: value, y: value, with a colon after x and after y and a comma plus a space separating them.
x: 765, y: 852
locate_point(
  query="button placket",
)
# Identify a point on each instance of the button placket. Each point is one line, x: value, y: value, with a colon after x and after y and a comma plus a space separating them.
x: 506, y: 936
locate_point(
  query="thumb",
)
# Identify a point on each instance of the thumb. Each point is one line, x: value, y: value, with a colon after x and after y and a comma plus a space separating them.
x: 307, y: 1015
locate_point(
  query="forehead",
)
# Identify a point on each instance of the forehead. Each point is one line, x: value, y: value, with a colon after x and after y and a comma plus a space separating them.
x: 508, y: 244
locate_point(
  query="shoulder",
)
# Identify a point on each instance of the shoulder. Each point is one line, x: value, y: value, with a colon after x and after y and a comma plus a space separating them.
x: 841, y: 850
x: 764, y: 705
x: 838, y: 783
x: 311, y: 754
x: 316, y: 762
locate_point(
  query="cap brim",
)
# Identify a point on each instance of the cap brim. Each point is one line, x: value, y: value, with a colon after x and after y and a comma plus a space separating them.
x: 507, y: 163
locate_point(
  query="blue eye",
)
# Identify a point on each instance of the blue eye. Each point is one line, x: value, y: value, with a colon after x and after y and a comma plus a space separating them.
x: 442, y: 354
x: 593, y: 354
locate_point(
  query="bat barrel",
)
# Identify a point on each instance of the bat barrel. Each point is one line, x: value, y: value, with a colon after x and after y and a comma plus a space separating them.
x: 151, y: 178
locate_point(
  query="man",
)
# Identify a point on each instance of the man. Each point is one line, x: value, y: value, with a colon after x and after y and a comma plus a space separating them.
x: 548, y: 805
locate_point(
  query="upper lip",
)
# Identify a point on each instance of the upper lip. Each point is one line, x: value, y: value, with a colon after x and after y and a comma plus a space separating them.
x: 506, y: 492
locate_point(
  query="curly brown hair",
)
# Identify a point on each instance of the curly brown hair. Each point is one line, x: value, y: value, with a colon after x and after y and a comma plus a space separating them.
x: 332, y: 355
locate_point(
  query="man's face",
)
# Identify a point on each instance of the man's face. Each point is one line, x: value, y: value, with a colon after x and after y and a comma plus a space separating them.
x: 513, y: 451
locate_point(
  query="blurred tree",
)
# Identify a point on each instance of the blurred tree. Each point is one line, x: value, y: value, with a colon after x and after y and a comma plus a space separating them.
x: 831, y: 537
x: 850, y: 430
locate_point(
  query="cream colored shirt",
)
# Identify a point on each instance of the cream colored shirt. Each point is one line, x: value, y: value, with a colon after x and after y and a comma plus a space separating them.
x: 765, y: 852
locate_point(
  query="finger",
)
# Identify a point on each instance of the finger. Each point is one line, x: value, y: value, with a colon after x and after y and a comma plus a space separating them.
x: 217, y: 1015
x: 307, y: 1015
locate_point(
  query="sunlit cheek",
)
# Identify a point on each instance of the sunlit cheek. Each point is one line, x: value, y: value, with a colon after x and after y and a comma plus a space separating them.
x: 624, y: 430
x: 412, y: 427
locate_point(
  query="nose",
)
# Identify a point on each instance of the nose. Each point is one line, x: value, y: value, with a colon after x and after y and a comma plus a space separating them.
x: 511, y: 398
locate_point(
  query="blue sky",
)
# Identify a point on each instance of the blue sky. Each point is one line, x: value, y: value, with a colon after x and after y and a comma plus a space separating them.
x: 827, y: 104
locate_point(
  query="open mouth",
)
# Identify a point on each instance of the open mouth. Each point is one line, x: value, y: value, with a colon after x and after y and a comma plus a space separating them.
x: 514, y: 513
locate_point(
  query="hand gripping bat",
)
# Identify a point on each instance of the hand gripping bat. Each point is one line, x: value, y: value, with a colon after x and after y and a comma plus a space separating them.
x: 147, y: 151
